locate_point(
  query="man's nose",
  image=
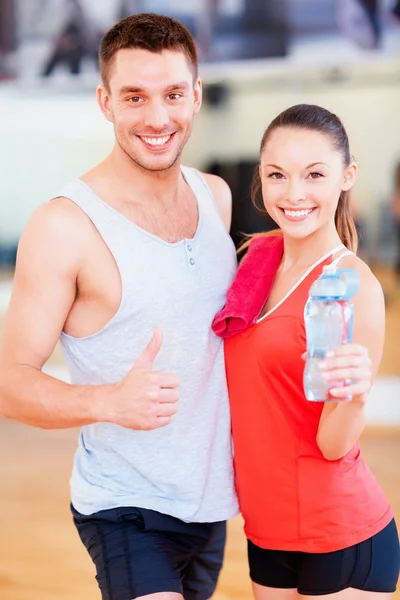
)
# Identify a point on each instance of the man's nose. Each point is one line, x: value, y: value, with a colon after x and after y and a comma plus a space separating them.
x: 156, y: 115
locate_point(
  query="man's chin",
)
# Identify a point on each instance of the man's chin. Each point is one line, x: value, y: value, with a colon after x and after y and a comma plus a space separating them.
x: 156, y: 163
x: 156, y: 168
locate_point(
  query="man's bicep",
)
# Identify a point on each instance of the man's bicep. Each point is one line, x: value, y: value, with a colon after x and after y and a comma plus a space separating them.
x: 43, y: 292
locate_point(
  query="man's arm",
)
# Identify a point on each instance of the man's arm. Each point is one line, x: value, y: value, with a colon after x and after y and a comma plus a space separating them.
x: 43, y: 292
x: 223, y: 197
x: 50, y: 253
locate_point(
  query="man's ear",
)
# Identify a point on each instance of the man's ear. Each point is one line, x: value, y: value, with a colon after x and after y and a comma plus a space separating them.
x: 104, y: 101
x: 198, y: 95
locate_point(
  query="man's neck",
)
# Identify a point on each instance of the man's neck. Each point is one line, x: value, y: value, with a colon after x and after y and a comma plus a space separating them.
x: 122, y: 178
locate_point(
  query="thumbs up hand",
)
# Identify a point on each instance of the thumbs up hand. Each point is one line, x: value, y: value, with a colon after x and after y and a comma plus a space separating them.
x: 149, y: 354
x: 144, y: 399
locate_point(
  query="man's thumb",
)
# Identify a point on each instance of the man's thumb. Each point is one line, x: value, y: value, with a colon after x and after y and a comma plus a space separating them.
x: 149, y: 354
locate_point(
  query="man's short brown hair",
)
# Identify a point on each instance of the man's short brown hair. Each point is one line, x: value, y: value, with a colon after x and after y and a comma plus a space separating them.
x: 146, y: 31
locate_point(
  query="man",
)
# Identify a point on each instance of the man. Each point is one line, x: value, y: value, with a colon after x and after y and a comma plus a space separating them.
x: 137, y: 249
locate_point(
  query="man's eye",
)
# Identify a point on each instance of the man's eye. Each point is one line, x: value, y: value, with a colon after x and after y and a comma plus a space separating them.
x: 174, y: 96
x: 134, y: 99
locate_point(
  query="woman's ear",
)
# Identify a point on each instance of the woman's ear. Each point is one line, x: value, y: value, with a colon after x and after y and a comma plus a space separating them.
x: 349, y: 177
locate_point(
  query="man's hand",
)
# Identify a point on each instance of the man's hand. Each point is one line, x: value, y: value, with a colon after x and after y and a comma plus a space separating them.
x: 144, y: 399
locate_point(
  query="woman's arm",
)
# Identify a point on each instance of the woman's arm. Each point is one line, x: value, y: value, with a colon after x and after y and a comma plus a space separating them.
x: 342, y: 423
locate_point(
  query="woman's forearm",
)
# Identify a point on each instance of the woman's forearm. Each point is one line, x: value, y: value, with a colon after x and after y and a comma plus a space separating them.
x: 342, y: 428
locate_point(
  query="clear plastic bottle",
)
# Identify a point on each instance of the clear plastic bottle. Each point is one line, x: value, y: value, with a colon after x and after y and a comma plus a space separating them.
x: 329, y: 320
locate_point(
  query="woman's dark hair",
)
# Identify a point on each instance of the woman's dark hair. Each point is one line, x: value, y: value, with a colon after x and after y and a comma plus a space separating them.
x: 316, y: 118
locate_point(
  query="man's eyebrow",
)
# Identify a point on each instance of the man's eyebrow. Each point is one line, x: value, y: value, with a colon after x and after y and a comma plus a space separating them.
x: 181, y: 85
x: 129, y: 89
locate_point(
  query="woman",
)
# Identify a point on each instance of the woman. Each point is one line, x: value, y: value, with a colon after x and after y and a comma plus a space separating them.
x: 317, y: 522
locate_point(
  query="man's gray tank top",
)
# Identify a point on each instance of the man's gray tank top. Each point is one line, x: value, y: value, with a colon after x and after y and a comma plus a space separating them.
x: 184, y: 469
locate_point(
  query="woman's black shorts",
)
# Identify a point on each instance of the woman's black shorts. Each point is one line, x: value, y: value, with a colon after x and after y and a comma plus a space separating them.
x: 371, y: 566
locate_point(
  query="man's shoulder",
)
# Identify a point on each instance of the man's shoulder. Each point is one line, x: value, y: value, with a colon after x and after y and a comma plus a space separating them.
x: 222, y: 195
x: 51, y: 242
x: 220, y: 191
x: 60, y: 214
x: 218, y: 186
x: 58, y: 223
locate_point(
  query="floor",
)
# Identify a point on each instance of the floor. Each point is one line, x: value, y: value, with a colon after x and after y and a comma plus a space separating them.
x: 41, y: 557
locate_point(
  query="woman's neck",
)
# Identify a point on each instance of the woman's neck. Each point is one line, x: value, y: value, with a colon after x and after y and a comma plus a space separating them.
x: 301, y: 253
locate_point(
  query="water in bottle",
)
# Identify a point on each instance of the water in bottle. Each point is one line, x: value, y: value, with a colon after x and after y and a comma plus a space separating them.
x: 329, y: 319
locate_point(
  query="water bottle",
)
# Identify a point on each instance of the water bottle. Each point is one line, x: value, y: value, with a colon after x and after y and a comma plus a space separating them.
x: 329, y: 320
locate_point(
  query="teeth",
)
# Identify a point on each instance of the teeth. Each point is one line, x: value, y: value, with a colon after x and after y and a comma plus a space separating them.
x: 156, y: 141
x: 298, y: 213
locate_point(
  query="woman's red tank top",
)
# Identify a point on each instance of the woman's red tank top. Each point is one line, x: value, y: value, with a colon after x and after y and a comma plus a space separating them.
x: 290, y: 496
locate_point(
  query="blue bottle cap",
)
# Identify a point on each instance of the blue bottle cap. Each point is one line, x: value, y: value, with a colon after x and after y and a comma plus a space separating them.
x: 336, y: 284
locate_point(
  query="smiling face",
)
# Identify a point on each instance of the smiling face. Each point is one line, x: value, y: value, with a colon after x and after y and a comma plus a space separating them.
x: 152, y: 100
x: 302, y: 176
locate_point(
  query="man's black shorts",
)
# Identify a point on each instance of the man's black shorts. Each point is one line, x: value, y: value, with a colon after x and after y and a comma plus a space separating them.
x: 138, y: 551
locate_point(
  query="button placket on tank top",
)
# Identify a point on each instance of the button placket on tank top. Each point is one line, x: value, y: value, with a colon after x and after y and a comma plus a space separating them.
x: 191, y: 254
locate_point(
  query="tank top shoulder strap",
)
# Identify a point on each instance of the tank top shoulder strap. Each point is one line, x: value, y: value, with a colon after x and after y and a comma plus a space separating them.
x: 82, y: 195
x: 200, y: 188
x: 298, y: 295
x: 336, y: 260
x: 112, y: 227
x: 331, y: 258
x: 316, y: 269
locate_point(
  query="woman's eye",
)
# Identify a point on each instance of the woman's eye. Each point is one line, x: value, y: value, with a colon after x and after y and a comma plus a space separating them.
x: 315, y: 175
x: 275, y: 175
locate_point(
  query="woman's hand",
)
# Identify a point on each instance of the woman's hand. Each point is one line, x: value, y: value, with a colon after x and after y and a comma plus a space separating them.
x: 352, y: 365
